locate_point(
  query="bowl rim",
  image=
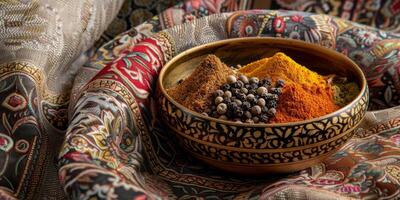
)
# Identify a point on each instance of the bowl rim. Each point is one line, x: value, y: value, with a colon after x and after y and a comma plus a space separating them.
x: 363, y: 90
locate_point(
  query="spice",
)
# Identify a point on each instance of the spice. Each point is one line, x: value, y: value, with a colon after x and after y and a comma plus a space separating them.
x: 254, y: 65
x: 195, y: 92
x: 345, y: 93
x: 246, y: 99
x: 301, y: 102
x: 281, y: 66
x: 270, y: 90
x: 306, y: 94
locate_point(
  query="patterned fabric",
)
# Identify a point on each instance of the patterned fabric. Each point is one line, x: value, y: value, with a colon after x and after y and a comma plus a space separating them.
x: 384, y: 15
x: 116, y: 147
x: 133, y: 13
x: 181, y: 13
x: 41, y: 45
x: 136, y: 12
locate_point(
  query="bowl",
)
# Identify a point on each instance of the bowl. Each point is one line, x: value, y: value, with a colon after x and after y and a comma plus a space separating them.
x: 255, y: 149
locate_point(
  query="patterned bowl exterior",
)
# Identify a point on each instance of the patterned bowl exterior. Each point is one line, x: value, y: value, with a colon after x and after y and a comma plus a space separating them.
x: 262, y: 148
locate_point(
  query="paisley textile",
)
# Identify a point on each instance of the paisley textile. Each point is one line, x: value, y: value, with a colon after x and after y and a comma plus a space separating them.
x: 41, y: 45
x: 133, y: 13
x: 42, y: 48
x: 115, y: 147
x: 117, y: 142
x: 384, y: 15
x: 136, y: 12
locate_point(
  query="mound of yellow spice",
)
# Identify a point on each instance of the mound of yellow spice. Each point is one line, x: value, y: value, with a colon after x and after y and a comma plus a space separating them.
x: 281, y: 66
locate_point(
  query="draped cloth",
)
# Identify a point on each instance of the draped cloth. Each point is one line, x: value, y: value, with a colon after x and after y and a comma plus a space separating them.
x: 115, y: 134
x: 115, y: 147
x: 41, y: 50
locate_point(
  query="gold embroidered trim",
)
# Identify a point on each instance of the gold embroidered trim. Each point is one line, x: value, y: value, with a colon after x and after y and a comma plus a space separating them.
x: 38, y: 76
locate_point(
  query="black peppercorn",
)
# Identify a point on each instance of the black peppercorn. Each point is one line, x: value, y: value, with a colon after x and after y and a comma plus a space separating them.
x: 238, y: 112
x: 246, y: 99
x: 256, y: 110
x: 240, y: 84
x: 243, y: 78
x: 218, y: 93
x: 246, y: 105
x: 238, y: 102
x: 244, y: 90
x: 226, y: 87
x: 228, y: 94
x: 268, y: 96
x: 253, y: 101
x: 254, y: 80
x: 250, y: 97
x: 264, y: 118
x: 267, y: 82
x: 222, y: 108
x: 271, y: 112
x: 241, y: 97
x: 256, y: 119
x: 218, y: 100
x: 247, y: 115
x: 230, y: 105
x: 231, y: 79
x: 261, y: 102
x: 226, y: 100
x: 262, y: 91
x: 280, y: 83
x: 277, y: 91
x: 235, y: 91
x: 254, y: 86
x: 252, y: 91
x: 271, y: 104
x: 264, y: 109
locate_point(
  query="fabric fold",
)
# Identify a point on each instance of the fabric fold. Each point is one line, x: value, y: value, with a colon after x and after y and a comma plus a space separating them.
x: 148, y: 160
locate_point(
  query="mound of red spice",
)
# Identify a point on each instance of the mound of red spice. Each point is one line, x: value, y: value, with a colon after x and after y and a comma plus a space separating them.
x: 301, y: 102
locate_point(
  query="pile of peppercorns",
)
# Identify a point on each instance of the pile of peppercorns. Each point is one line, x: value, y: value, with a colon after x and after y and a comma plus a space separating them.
x: 246, y: 99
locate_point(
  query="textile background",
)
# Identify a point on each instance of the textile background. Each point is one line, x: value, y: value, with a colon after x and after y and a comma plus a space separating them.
x: 115, y: 146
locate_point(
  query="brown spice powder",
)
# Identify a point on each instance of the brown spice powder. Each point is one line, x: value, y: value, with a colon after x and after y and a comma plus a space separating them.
x: 195, y: 92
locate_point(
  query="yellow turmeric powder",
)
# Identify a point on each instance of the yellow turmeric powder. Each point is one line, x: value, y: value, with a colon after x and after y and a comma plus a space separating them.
x: 254, y: 65
x: 281, y: 66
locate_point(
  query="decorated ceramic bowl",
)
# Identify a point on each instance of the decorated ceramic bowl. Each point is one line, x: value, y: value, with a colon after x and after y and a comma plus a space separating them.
x: 262, y: 148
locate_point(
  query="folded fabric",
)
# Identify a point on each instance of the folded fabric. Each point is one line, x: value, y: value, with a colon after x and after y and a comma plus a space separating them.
x: 41, y: 46
x: 383, y: 15
x: 132, y: 14
x: 116, y: 146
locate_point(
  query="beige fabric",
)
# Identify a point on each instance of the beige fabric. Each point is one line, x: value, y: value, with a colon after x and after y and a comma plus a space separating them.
x: 51, y: 36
